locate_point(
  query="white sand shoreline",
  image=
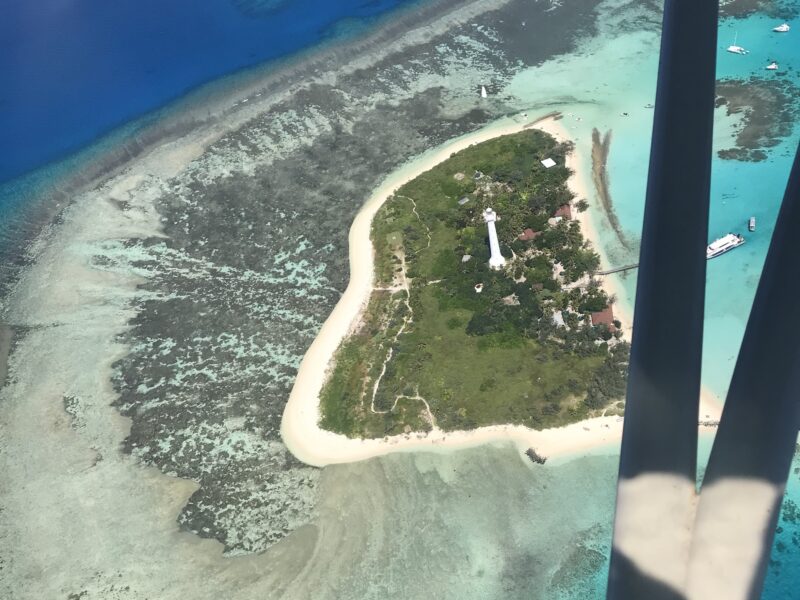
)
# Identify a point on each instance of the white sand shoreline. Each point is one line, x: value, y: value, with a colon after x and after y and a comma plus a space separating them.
x: 300, y: 424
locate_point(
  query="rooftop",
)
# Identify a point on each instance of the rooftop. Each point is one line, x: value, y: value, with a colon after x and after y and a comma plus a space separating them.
x: 564, y: 211
x: 529, y: 234
x: 604, y: 317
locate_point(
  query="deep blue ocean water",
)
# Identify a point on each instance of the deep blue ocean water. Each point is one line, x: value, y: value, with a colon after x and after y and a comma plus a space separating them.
x: 72, y: 70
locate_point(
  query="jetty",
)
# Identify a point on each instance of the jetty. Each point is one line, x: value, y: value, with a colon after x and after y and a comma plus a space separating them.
x: 636, y: 266
x: 616, y: 270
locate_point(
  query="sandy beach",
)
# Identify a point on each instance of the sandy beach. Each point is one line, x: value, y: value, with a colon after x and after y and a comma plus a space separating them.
x: 300, y: 425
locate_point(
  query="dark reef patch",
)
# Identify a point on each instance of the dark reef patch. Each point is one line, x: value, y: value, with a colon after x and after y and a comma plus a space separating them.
x: 769, y: 110
x: 601, y: 145
x: 739, y: 9
x: 6, y: 343
x: 256, y: 257
x: 587, y: 557
x: 252, y: 267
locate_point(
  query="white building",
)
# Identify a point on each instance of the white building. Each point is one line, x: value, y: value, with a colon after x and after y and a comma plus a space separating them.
x: 548, y: 162
x: 496, y: 261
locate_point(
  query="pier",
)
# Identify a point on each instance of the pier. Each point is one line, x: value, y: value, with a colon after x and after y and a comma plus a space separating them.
x: 617, y: 269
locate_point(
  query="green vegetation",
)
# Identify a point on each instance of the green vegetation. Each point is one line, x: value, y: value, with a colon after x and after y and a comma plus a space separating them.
x: 431, y: 349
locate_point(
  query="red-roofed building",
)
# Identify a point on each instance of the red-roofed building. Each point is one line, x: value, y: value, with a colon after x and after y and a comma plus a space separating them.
x: 529, y: 234
x: 604, y: 317
x: 564, y: 211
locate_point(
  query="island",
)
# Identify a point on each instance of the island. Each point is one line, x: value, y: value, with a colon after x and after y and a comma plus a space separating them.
x: 447, y: 341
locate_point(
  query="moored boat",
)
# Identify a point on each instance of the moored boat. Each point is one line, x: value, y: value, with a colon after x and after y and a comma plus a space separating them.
x: 734, y: 48
x: 751, y: 224
x: 782, y: 28
x: 724, y: 244
x: 773, y: 66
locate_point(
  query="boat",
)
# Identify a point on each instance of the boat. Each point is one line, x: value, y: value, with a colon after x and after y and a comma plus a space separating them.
x: 483, y: 91
x: 783, y: 28
x: 733, y: 48
x: 726, y: 243
x: 751, y: 224
x: 773, y: 66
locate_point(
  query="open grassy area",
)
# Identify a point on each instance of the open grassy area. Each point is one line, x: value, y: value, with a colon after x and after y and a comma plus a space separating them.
x: 433, y: 350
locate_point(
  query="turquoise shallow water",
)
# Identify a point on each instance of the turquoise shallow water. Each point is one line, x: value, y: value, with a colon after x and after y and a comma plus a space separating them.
x: 739, y: 190
x: 783, y: 575
x: 597, y: 98
x: 479, y: 523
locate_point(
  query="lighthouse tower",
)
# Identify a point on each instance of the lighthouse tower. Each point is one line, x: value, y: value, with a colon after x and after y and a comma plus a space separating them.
x: 496, y: 261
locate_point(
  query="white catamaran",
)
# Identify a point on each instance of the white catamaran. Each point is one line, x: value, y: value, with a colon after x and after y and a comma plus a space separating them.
x: 724, y: 244
x: 734, y: 48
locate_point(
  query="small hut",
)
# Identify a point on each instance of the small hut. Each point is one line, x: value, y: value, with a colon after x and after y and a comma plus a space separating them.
x: 564, y: 211
x: 529, y: 234
x: 604, y: 317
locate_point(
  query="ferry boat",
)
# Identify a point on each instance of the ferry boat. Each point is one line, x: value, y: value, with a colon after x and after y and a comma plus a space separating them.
x: 724, y: 244
x: 751, y: 224
x: 783, y: 28
x: 734, y: 48
x: 773, y: 66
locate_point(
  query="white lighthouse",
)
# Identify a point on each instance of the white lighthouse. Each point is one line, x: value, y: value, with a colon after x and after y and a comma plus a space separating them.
x: 496, y: 261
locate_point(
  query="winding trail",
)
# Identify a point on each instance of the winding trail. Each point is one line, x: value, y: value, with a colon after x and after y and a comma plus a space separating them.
x: 407, y: 320
x: 405, y: 286
x: 421, y: 222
